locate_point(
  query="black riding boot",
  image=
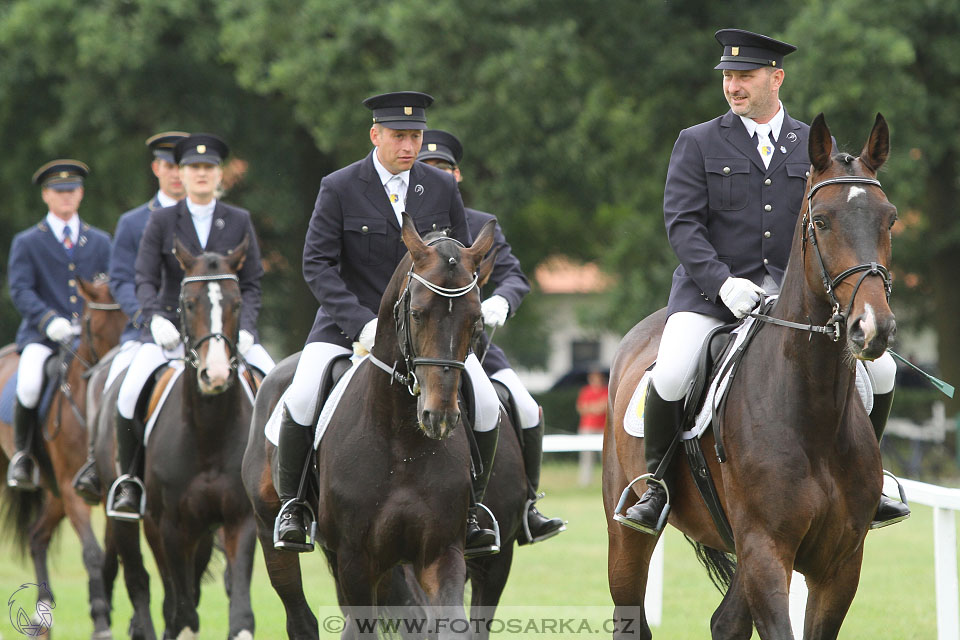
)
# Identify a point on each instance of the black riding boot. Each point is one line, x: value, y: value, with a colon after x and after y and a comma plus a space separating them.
x: 537, y: 526
x: 480, y: 541
x: 661, y: 420
x: 127, y: 497
x: 22, y: 472
x: 889, y: 511
x: 87, y: 481
x: 294, y: 445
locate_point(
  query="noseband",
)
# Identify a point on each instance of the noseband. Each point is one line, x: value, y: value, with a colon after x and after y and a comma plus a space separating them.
x: 192, y: 357
x: 830, y: 284
x: 401, y: 318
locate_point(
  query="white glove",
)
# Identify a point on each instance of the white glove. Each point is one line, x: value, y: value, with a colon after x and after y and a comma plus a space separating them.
x: 59, y: 329
x: 495, y: 310
x: 164, y: 333
x: 244, y: 342
x: 740, y: 295
x: 367, y: 336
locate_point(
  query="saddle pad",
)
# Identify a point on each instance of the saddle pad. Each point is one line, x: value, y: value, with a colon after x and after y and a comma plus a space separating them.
x: 8, y: 398
x: 633, y: 419
x: 272, y: 428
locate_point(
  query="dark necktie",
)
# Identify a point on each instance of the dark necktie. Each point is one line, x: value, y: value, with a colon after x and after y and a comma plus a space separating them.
x: 68, y: 240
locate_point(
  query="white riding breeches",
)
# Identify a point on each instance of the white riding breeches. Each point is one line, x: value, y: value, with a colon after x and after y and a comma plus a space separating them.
x: 121, y: 361
x: 30, y: 373
x: 302, y: 395
x: 145, y: 361
x: 485, y: 400
x: 527, y: 407
x: 682, y: 342
x: 258, y: 357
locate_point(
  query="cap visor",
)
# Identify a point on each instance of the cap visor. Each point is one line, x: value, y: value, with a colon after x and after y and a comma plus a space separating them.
x: 436, y: 155
x: 741, y: 66
x: 64, y: 186
x: 401, y: 125
x: 198, y: 158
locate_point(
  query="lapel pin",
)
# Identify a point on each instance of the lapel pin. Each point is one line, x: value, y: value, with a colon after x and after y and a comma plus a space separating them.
x: 418, y: 189
x: 220, y: 223
x: 792, y: 137
x: 783, y: 149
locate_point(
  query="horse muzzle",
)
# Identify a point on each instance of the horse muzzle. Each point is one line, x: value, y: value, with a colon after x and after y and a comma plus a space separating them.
x: 437, y: 425
x: 870, y: 332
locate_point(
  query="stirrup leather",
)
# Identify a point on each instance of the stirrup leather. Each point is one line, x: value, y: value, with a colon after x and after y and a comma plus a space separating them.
x: 304, y: 547
x: 111, y: 495
x: 625, y: 496
x: 489, y: 550
x: 34, y: 482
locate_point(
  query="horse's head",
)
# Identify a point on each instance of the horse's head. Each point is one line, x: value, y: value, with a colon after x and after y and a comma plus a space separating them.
x: 210, y: 313
x: 437, y: 316
x: 846, y: 237
x: 103, y: 320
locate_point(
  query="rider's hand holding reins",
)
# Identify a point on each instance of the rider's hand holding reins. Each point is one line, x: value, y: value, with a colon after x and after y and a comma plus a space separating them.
x: 366, y: 338
x: 164, y: 333
x: 495, y: 310
x: 59, y: 329
x: 244, y: 341
x: 740, y: 295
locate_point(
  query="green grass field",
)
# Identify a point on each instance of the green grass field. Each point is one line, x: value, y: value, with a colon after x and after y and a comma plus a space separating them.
x: 561, y: 578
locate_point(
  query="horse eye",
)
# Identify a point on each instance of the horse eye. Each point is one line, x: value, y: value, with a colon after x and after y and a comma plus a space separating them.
x: 188, y: 305
x: 417, y: 315
x: 820, y: 223
x: 893, y: 222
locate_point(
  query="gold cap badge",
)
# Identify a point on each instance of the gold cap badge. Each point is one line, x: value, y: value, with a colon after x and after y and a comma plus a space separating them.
x: 64, y: 174
x: 201, y: 148
x: 408, y: 111
x: 431, y: 147
x: 734, y: 51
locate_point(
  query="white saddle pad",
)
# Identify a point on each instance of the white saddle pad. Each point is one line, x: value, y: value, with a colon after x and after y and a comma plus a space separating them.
x: 633, y: 420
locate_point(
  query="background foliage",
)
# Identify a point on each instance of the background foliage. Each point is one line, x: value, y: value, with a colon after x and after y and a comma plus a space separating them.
x: 567, y: 109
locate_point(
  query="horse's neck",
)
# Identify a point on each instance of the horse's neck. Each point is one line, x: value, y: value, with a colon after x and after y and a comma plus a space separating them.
x: 207, y: 414
x: 398, y: 406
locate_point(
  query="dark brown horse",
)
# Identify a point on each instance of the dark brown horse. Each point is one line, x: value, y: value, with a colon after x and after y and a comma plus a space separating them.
x: 394, y: 469
x: 802, y: 477
x: 192, y: 462
x: 33, y: 516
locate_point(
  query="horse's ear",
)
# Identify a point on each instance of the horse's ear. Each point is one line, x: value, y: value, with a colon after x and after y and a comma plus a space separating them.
x: 238, y: 255
x: 183, y: 255
x: 86, y: 290
x: 877, y: 149
x: 485, y: 270
x: 820, y: 145
x: 412, y: 239
x: 484, y: 240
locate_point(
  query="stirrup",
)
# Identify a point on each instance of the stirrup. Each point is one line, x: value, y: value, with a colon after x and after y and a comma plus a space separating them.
x: 526, y: 523
x: 630, y: 524
x: 34, y: 482
x: 286, y: 545
x: 126, y: 515
x: 491, y: 549
x: 879, y: 524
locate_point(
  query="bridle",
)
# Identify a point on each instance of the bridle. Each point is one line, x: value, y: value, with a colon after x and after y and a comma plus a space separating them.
x: 88, y: 330
x: 401, y: 318
x: 192, y: 356
x: 833, y: 327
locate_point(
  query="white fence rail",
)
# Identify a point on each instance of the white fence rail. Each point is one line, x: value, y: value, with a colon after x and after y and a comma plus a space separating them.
x: 945, y: 503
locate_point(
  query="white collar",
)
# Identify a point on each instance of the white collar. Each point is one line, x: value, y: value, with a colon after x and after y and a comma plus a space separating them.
x: 776, y: 123
x: 385, y: 174
x: 57, y: 224
x: 201, y: 210
x: 165, y: 200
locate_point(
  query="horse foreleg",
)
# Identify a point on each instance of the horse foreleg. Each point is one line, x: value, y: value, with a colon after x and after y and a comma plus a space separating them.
x: 731, y: 620
x: 765, y: 572
x: 239, y: 544
x: 123, y: 537
x: 628, y: 562
x: 356, y: 586
x: 283, y: 568
x: 488, y: 577
x: 51, y: 513
x: 180, y: 548
x: 829, y: 598
x: 443, y: 581
x: 79, y: 514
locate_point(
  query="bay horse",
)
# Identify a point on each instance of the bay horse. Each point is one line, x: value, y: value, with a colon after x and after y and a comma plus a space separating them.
x: 192, y: 460
x: 32, y: 517
x: 802, y: 475
x: 394, y: 470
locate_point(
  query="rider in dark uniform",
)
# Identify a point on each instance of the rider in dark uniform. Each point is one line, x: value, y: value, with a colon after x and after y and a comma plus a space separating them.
x: 46, y: 261
x: 509, y: 286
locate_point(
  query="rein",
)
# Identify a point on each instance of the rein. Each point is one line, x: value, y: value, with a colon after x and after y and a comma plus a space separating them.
x: 192, y: 357
x: 838, y: 319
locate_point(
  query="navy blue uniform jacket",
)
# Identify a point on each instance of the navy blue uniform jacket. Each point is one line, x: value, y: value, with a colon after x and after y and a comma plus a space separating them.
x: 159, y: 273
x: 725, y: 214
x: 353, y: 243
x: 123, y: 262
x: 507, y: 280
x: 43, y: 278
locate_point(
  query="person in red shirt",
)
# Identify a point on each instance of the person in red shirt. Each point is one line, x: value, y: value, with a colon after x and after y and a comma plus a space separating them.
x: 592, y: 407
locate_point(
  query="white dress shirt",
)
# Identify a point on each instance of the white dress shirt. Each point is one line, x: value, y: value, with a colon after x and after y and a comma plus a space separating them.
x: 202, y: 215
x: 396, y: 193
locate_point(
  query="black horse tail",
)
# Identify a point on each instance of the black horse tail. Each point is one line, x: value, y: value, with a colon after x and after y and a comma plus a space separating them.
x: 720, y: 565
x: 20, y: 509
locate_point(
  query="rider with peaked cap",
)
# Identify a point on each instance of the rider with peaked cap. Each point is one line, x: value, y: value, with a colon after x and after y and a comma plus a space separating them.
x: 123, y: 257
x: 444, y: 151
x: 734, y: 188
x: 202, y: 223
x: 352, y: 248
x: 46, y: 262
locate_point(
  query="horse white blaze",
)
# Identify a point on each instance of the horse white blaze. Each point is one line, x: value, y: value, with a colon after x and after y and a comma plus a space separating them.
x: 218, y: 360
x: 869, y: 324
x: 187, y: 634
x: 854, y: 192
